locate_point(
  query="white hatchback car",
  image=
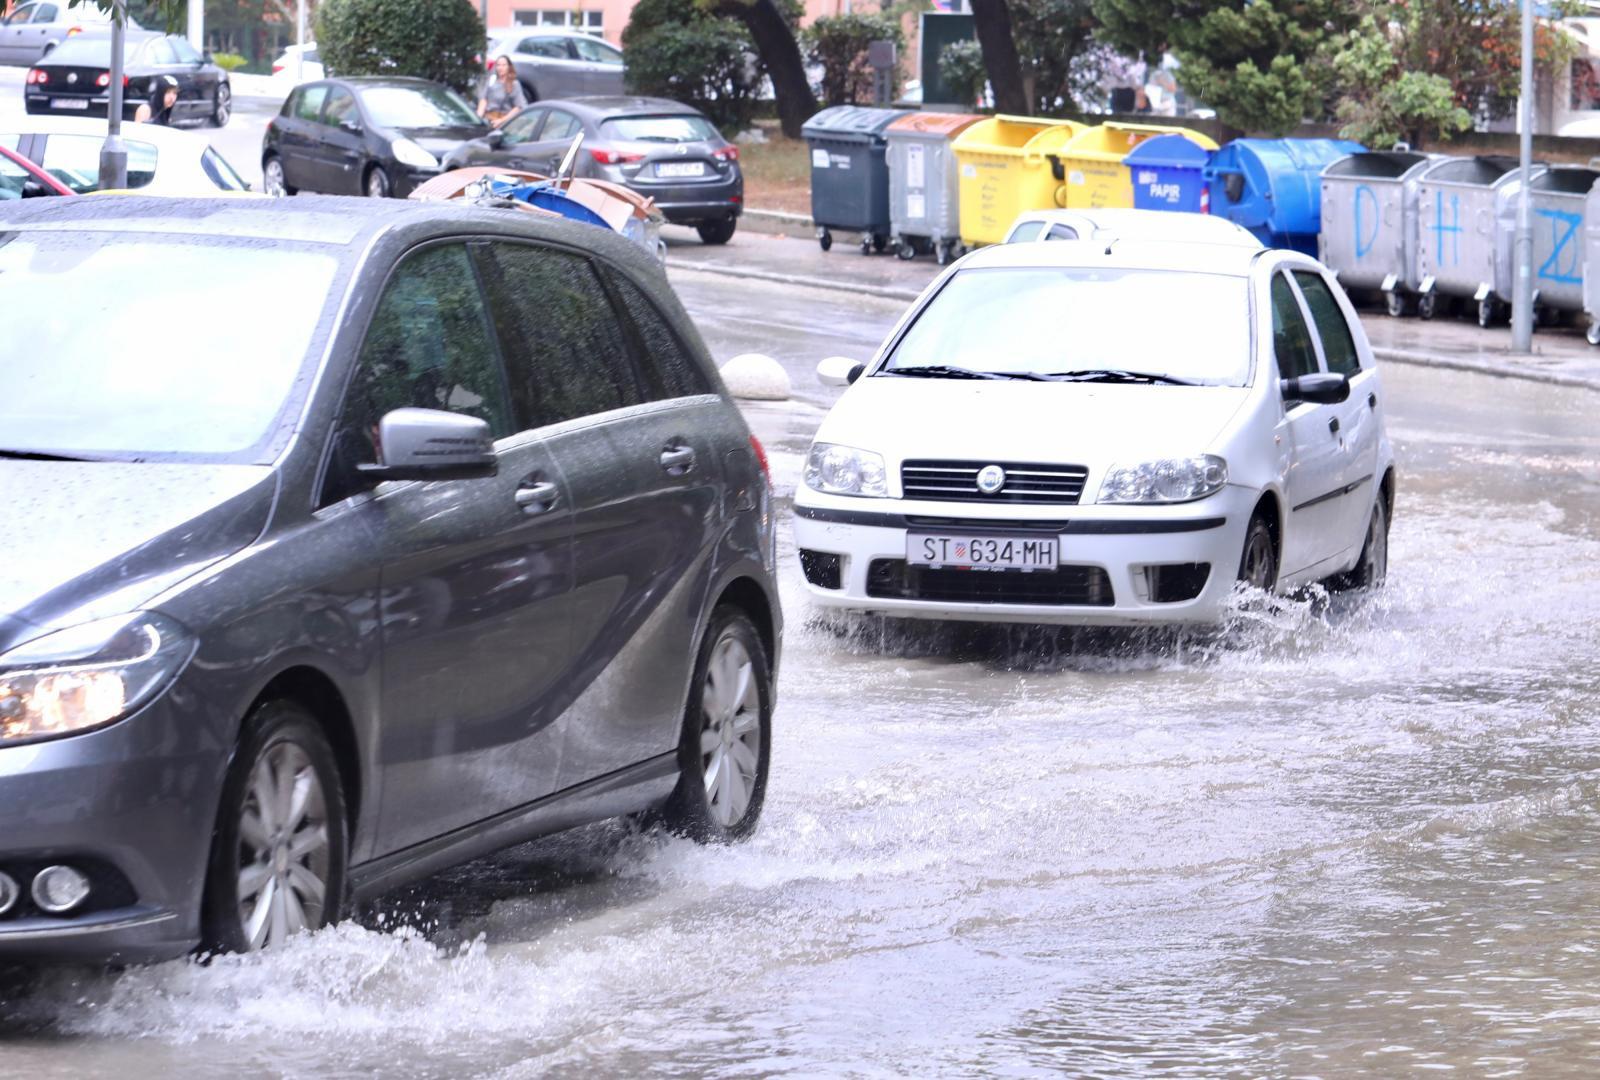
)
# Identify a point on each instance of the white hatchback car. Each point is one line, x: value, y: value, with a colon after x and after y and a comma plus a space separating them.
x: 1103, y: 432
x: 1125, y: 224
x: 161, y: 160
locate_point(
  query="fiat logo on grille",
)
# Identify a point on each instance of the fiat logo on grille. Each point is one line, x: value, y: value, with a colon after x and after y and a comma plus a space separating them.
x: 991, y: 478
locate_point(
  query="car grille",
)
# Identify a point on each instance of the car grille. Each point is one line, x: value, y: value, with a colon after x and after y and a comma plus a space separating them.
x: 894, y: 579
x: 957, y: 481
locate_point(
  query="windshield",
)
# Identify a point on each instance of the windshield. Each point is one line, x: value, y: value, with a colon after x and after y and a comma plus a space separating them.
x: 165, y: 349
x: 1178, y: 326
x: 669, y: 129
x: 417, y: 107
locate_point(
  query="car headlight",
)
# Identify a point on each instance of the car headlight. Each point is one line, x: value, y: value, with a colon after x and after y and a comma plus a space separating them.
x: 407, y: 152
x: 1167, y: 480
x: 844, y: 470
x: 87, y: 676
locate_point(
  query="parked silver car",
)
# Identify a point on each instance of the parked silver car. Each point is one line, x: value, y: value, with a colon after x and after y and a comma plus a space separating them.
x: 553, y: 64
x: 32, y: 30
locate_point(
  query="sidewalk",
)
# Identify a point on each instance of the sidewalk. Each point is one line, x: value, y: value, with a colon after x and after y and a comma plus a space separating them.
x: 1560, y: 355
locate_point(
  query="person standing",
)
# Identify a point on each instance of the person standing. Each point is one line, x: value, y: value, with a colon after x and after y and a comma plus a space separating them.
x: 503, y: 96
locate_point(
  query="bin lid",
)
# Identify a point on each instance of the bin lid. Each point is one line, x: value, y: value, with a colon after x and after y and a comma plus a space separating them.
x: 1112, y: 141
x: 1377, y: 164
x: 1010, y: 134
x: 850, y: 121
x: 932, y: 123
x: 1175, y: 151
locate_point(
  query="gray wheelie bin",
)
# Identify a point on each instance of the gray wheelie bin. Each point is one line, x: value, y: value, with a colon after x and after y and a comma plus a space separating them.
x: 1591, y: 263
x: 1458, y: 210
x: 850, y: 174
x: 1369, y: 222
x: 924, y: 203
x: 1557, y: 197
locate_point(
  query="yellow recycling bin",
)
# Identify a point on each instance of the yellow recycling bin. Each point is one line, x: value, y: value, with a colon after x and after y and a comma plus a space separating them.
x: 1090, y: 166
x: 1004, y: 169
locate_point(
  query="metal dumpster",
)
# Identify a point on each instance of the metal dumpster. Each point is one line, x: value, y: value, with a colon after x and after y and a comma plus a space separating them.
x: 1168, y: 174
x: 1091, y: 163
x: 1591, y: 263
x: 1557, y: 196
x: 1004, y: 171
x: 849, y: 175
x: 924, y: 195
x: 1457, y: 207
x: 1369, y: 222
x: 1273, y: 187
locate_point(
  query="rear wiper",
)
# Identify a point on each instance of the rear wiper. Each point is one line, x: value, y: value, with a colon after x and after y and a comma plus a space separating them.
x: 946, y: 371
x: 42, y: 455
x: 1117, y: 375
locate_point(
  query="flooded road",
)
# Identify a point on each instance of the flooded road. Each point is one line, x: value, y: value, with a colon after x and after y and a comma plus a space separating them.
x: 1358, y: 838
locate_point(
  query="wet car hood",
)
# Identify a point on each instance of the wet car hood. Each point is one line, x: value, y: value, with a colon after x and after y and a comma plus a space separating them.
x: 92, y: 539
x: 1091, y: 424
x: 441, y: 141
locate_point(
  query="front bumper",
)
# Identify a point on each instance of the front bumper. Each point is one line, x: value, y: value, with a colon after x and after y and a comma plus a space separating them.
x: 134, y: 804
x: 1121, y: 541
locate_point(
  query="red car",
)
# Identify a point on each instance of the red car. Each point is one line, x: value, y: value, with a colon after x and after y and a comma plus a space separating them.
x: 22, y: 179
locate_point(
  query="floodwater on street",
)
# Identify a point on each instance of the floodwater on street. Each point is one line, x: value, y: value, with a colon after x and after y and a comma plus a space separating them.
x: 1325, y: 839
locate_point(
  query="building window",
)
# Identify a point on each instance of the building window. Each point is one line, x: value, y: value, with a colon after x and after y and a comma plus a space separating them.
x: 587, y: 22
x: 1585, y: 84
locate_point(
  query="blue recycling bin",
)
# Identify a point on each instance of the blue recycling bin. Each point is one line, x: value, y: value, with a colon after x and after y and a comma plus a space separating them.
x: 1273, y: 187
x: 1168, y: 173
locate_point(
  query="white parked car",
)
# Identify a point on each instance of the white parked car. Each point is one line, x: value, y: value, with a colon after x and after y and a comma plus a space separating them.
x: 1163, y: 225
x: 309, y: 68
x: 161, y: 160
x: 1110, y: 432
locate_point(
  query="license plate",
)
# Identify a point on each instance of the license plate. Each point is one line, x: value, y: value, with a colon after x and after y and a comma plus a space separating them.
x: 680, y: 168
x: 69, y: 103
x: 982, y: 552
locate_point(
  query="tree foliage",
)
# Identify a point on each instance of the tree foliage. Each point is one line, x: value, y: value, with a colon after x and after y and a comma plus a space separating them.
x: 961, y: 69
x: 679, y: 49
x: 839, y: 44
x: 440, y: 40
x: 1062, y: 62
x: 1381, y: 105
x: 772, y: 25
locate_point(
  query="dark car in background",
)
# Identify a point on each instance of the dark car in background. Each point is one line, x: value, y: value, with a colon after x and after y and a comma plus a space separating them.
x: 556, y: 64
x: 376, y: 136
x: 659, y: 148
x: 75, y: 78
x: 465, y: 543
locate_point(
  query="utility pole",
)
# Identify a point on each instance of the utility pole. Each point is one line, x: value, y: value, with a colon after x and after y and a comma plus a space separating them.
x: 113, y: 154
x: 1522, y: 302
x: 300, y: 42
x: 197, y: 25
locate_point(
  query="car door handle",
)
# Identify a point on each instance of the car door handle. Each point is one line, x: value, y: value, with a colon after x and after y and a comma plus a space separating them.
x: 537, y: 496
x: 677, y: 459
x: 1333, y: 426
x: 1372, y: 401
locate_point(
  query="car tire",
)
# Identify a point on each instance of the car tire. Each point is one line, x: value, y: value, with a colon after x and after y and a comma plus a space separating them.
x: 717, y: 232
x: 1258, y: 562
x: 276, y: 842
x: 222, y: 106
x: 1372, y: 568
x: 272, y: 177
x: 725, y: 747
x: 377, y: 185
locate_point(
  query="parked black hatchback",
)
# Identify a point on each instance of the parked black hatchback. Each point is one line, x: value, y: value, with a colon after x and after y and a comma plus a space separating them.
x: 364, y: 136
x: 433, y: 532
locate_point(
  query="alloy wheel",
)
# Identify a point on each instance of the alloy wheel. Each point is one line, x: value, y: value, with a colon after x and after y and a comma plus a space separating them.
x: 730, y: 730
x: 377, y: 183
x: 224, y: 106
x: 284, y: 850
x: 272, y: 178
x: 1255, y: 569
x: 1376, y: 551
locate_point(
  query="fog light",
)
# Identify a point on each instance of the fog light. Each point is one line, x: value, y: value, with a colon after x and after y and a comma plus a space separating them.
x: 9, y: 892
x: 59, y: 889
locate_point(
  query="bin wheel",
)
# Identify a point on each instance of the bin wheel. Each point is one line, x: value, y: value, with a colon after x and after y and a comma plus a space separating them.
x: 825, y: 240
x: 1394, y: 304
x: 1592, y: 335
x: 1427, y: 304
x: 1487, y: 312
x: 942, y: 253
x: 880, y: 244
x: 906, y: 250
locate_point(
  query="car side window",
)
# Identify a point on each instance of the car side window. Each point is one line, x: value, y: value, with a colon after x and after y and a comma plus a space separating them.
x: 45, y: 13
x: 1338, y: 345
x: 341, y: 106
x: 666, y: 367
x: 19, y: 16
x: 429, y: 346
x: 1026, y: 232
x: 565, y: 350
x: 75, y: 161
x: 309, y: 105
x: 1061, y: 232
x: 596, y: 52
x: 1291, y: 337
x: 522, y: 128
x: 559, y: 125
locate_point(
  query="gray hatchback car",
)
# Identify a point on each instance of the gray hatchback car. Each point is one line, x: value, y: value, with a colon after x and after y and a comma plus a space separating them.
x: 430, y: 531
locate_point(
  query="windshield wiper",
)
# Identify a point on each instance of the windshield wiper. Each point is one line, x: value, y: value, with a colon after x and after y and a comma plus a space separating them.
x: 1118, y: 375
x: 43, y: 455
x: 946, y: 371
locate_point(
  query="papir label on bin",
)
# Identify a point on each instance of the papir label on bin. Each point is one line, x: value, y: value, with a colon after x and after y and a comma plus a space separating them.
x: 916, y: 168
x: 819, y: 159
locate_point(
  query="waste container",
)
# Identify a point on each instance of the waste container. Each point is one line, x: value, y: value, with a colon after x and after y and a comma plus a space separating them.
x: 1458, y: 200
x: 1167, y: 173
x: 1556, y: 197
x: 1004, y: 171
x: 1273, y: 187
x: 849, y: 173
x: 1369, y: 222
x: 1090, y: 165
x: 1591, y: 263
x: 924, y: 198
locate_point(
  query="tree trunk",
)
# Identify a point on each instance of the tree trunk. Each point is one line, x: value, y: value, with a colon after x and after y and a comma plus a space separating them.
x: 780, y: 53
x: 992, y: 19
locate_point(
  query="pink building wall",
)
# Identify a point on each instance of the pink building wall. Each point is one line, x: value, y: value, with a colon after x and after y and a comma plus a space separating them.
x: 608, y: 16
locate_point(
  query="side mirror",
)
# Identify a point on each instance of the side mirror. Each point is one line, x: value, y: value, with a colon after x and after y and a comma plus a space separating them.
x: 426, y: 444
x: 352, y: 126
x: 32, y: 189
x: 495, y: 138
x: 1319, y: 389
x: 839, y: 371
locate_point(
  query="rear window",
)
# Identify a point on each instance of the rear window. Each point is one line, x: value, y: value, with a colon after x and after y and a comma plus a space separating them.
x: 85, y: 51
x: 664, y: 129
x: 75, y: 161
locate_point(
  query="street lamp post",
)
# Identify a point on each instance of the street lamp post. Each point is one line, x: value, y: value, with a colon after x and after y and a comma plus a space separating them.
x: 113, y: 154
x: 1522, y: 301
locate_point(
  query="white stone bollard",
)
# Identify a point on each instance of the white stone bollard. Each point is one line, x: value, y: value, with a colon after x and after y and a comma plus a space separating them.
x: 756, y: 377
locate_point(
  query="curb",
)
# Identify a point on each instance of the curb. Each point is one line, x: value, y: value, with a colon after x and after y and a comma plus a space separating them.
x: 777, y: 222
x: 799, y: 281
x: 1484, y: 367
